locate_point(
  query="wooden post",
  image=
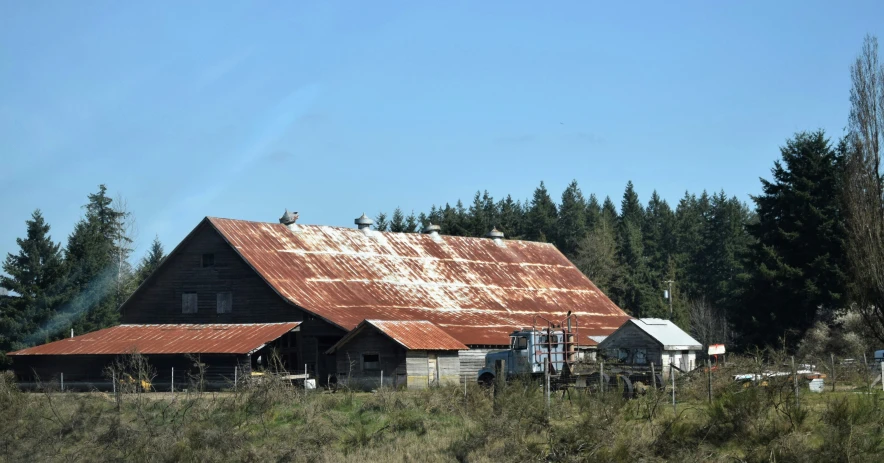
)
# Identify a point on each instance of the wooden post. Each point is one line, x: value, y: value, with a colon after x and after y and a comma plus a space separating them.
x: 602, y: 377
x: 62, y: 381
x: 305, y: 378
x: 382, y: 379
x: 546, y: 384
x: 795, y: 382
x: 868, y: 381
x: 114, y: 380
x: 709, y: 378
x: 653, y: 377
x: 235, y: 376
x: 672, y: 376
x: 173, y: 379
x: 833, y: 372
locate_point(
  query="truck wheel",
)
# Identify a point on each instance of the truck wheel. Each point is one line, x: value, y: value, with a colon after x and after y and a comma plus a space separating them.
x: 486, y: 380
x: 626, y: 384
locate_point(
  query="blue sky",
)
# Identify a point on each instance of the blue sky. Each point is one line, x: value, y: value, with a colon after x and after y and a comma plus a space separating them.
x: 241, y: 109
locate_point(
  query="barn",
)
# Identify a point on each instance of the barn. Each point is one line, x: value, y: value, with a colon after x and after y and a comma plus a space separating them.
x: 330, y: 280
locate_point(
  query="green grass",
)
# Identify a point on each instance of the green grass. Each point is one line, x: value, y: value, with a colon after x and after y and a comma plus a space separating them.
x: 277, y: 423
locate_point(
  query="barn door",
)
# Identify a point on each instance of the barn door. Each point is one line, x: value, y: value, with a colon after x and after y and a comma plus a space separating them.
x: 432, y: 369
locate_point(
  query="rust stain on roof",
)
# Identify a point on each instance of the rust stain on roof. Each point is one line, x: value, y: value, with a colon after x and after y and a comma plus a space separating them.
x: 417, y: 334
x: 475, y: 290
x: 167, y: 339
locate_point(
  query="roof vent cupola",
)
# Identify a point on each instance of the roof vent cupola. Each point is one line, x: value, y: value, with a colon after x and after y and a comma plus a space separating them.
x: 433, y: 231
x: 288, y: 219
x: 497, y: 236
x: 364, y: 224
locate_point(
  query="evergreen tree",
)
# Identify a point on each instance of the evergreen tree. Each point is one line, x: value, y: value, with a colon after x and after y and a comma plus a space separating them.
x: 411, y: 223
x: 726, y: 243
x: 657, y: 232
x: 510, y: 217
x: 541, y: 217
x: 798, y: 268
x: 597, y: 256
x: 151, y: 260
x: 36, y: 274
x: 638, y: 291
x: 397, y: 222
x: 479, y: 222
x: 609, y: 211
x: 380, y: 222
x: 593, y: 211
x: 95, y: 253
x: 571, y: 223
x: 690, y: 225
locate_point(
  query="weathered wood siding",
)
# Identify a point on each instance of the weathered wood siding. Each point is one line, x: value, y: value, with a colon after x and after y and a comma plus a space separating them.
x: 473, y: 360
x: 630, y: 338
x: 349, y: 365
x: 159, y: 299
x: 449, y: 367
x: 418, y: 366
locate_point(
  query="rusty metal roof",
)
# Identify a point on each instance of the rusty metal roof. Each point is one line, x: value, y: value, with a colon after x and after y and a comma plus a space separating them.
x: 411, y: 334
x: 475, y: 290
x: 167, y: 339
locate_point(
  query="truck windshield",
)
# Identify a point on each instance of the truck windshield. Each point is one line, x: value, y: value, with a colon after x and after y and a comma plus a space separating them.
x: 519, y: 342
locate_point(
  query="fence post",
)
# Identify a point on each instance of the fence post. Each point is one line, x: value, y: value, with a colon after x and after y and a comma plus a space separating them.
x: 866, y: 371
x: 709, y: 378
x: 653, y: 377
x: 833, y: 372
x: 602, y: 377
x: 235, y: 376
x: 62, y: 381
x: 795, y: 382
x: 672, y: 376
x: 114, y: 381
x: 546, y: 384
x: 173, y: 379
x: 382, y: 379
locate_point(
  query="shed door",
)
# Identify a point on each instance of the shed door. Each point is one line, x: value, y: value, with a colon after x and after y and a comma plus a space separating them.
x: 432, y: 369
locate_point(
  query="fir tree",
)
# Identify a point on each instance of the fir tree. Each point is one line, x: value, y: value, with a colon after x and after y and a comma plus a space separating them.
x: 593, y: 211
x: 411, y: 223
x: 541, y: 216
x: 596, y: 256
x: 609, y: 211
x: 96, y: 252
x: 380, y: 222
x: 397, y: 222
x: 36, y: 274
x: 798, y: 268
x: 151, y: 261
x: 479, y: 222
x: 571, y: 223
x: 510, y: 217
x: 638, y: 291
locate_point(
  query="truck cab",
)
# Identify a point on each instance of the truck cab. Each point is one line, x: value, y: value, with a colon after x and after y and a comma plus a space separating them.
x: 531, y: 352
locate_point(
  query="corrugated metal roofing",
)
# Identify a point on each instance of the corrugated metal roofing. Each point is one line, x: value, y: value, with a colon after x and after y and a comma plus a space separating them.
x: 413, y: 335
x: 667, y: 333
x: 167, y: 339
x: 475, y: 290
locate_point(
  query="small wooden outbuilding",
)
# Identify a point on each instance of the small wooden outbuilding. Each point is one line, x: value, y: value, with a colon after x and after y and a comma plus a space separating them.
x: 397, y: 353
x: 642, y: 341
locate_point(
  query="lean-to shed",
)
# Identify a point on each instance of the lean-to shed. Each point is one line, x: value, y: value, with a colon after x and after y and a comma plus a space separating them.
x: 402, y: 353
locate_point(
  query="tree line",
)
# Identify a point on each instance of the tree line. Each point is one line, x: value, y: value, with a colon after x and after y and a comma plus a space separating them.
x: 77, y: 287
x: 807, y: 256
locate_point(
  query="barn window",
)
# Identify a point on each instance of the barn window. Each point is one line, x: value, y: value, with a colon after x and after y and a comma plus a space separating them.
x: 225, y: 302
x: 188, y: 303
x: 208, y: 260
x: 640, y: 356
x: 371, y: 361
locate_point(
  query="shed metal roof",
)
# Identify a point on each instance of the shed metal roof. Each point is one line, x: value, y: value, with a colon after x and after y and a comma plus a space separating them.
x: 167, y: 339
x: 410, y: 334
x: 472, y: 288
x: 667, y: 333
